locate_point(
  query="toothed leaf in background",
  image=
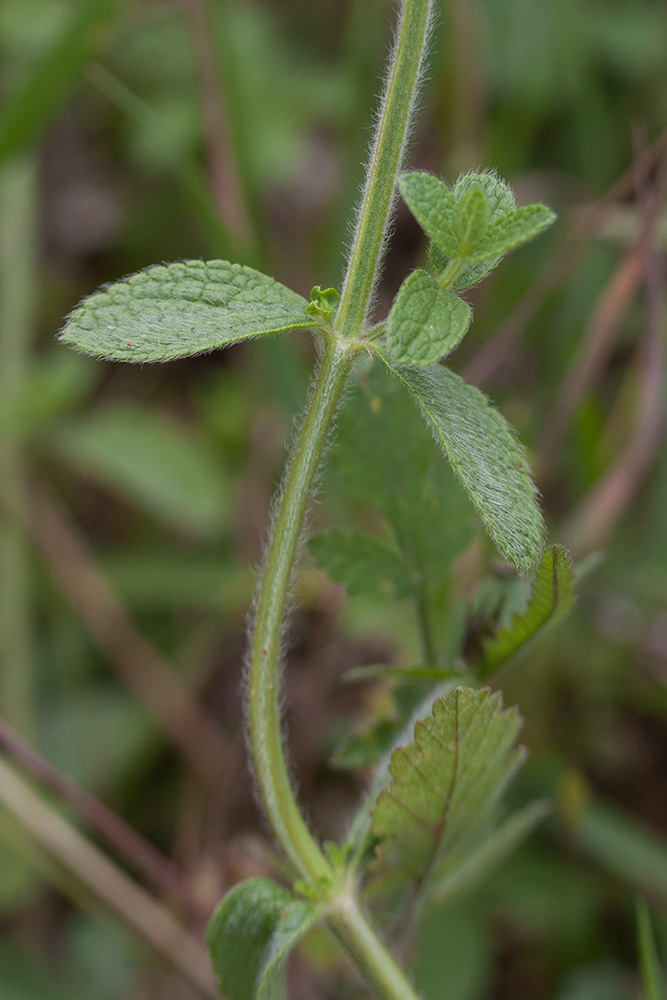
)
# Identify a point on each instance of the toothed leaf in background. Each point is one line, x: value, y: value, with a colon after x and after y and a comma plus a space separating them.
x: 406, y: 481
x: 434, y: 207
x: 485, y: 454
x: 552, y: 596
x: 177, y: 310
x: 151, y: 459
x: 511, y: 230
x: 442, y: 788
x: 250, y: 935
x: 472, y: 218
x: 361, y: 561
x: 425, y: 323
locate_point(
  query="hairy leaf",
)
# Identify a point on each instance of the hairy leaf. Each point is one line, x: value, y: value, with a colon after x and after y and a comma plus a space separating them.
x: 442, y: 787
x: 458, y: 873
x: 500, y: 199
x: 511, y: 230
x: 250, y: 935
x: 485, y: 454
x: 434, y: 207
x: 498, y: 194
x: 178, y: 310
x: 425, y: 322
x: 553, y: 594
x: 472, y: 218
x: 361, y: 561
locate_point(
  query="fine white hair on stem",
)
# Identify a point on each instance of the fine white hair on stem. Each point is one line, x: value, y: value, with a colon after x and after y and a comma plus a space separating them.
x: 290, y: 598
x: 379, y: 128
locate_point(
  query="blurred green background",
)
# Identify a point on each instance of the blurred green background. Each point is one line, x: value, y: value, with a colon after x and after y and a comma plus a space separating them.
x: 132, y: 501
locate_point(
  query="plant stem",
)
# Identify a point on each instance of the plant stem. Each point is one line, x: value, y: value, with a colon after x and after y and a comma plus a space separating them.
x: 386, y: 156
x: 264, y: 705
x: 350, y: 926
x: 345, y: 917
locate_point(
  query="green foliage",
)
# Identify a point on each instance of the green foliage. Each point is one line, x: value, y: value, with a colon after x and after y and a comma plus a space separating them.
x: 461, y: 870
x: 424, y: 507
x: 442, y: 788
x: 511, y: 230
x: 151, y: 459
x: 178, y: 310
x: 425, y: 322
x: 43, y: 89
x: 652, y: 979
x: 552, y: 596
x: 361, y: 561
x: 486, y: 456
x: 250, y: 935
x: 473, y: 225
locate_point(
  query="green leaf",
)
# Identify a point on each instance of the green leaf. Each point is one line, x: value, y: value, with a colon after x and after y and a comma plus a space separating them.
x: 443, y: 787
x: 500, y: 199
x: 472, y: 218
x: 425, y: 508
x: 498, y: 193
x: 434, y: 207
x: 553, y: 594
x: 361, y: 561
x: 652, y: 980
x: 250, y: 935
x: 457, y: 874
x: 425, y: 322
x: 511, y: 230
x: 177, y: 310
x: 151, y: 459
x: 486, y: 456
x: 45, y: 86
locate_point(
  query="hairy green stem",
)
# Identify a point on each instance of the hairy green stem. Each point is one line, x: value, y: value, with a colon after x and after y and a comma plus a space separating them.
x: 344, y: 915
x: 350, y: 925
x: 385, y: 161
x: 264, y: 681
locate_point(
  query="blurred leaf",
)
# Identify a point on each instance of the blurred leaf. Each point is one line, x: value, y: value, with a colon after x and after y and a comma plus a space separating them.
x: 425, y: 323
x: 652, y: 979
x: 95, y: 734
x: 458, y: 874
x: 360, y: 561
x: 47, y: 83
x: 56, y: 382
x: 552, y: 596
x: 625, y: 847
x: 151, y: 459
x: 182, y: 309
x: 486, y: 456
x: 454, y: 946
x: 443, y: 787
x: 250, y: 935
